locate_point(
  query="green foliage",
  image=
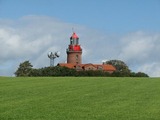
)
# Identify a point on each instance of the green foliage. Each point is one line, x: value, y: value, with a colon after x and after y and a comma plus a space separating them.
x: 122, y: 70
x: 79, y: 98
x: 53, y: 71
x: 119, y: 65
x: 93, y: 73
x: 139, y: 74
x: 24, y: 69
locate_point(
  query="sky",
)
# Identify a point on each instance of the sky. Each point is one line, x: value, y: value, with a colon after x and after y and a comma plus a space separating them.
x: 127, y: 30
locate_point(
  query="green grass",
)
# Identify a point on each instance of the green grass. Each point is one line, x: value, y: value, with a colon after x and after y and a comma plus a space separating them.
x: 79, y: 98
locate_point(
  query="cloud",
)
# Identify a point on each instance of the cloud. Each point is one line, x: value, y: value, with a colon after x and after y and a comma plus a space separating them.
x: 141, y: 50
x: 32, y: 37
x: 153, y: 69
x: 138, y: 45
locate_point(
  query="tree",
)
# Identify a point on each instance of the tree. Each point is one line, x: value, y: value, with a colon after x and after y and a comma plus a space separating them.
x: 24, y: 69
x: 53, y: 71
x: 121, y: 68
x: 141, y: 74
x: 119, y: 65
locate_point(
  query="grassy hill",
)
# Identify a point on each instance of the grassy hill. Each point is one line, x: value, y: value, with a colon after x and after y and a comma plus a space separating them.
x: 79, y: 98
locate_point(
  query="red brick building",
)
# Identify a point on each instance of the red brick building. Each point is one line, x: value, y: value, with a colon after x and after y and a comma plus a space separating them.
x: 74, y: 58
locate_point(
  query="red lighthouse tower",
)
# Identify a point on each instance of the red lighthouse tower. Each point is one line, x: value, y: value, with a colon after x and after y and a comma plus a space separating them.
x: 74, y: 50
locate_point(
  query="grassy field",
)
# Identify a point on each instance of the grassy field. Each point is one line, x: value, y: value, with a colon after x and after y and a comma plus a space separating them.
x: 79, y: 98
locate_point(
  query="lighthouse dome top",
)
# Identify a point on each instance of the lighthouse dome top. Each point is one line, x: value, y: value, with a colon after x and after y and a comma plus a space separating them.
x: 74, y: 36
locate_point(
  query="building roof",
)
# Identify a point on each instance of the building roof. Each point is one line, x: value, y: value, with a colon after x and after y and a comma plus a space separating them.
x: 105, y: 67
x: 74, y: 36
x: 69, y: 65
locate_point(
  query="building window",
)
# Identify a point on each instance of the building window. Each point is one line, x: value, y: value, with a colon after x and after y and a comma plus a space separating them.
x: 77, y: 41
x: 71, y: 42
x: 76, y: 57
x: 99, y: 67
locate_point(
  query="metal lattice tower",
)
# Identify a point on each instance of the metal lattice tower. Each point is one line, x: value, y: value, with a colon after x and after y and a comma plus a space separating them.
x: 52, y: 57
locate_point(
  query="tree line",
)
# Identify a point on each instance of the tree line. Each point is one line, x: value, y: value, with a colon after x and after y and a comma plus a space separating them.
x: 26, y: 69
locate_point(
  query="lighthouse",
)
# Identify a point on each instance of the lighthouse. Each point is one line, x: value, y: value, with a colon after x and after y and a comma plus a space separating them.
x: 74, y: 58
x: 74, y: 50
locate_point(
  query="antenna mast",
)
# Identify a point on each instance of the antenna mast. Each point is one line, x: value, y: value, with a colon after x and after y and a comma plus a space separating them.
x: 52, y: 57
